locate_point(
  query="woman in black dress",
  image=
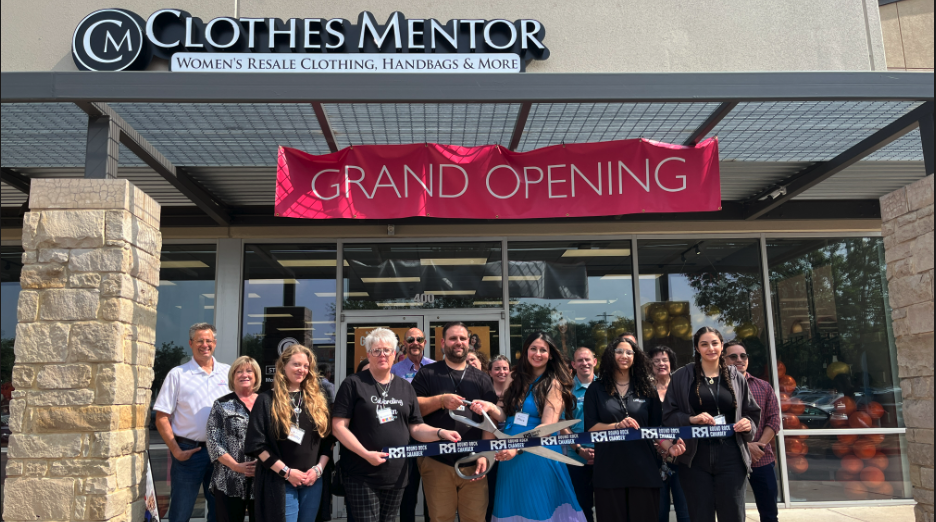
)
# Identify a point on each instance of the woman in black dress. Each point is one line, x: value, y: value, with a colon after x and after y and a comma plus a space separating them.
x: 290, y: 433
x: 709, y: 392
x: 622, y: 397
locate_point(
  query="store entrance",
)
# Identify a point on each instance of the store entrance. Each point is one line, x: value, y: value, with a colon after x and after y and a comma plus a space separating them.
x: 487, y: 331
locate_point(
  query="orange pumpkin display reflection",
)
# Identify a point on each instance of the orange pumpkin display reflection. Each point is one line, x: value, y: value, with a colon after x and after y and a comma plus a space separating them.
x: 852, y: 464
x: 785, y: 402
x: 798, y: 465
x: 860, y: 420
x: 787, y: 384
x: 879, y: 461
x: 874, y: 439
x: 885, y: 489
x: 874, y: 410
x: 848, y: 439
x: 872, y: 477
x: 797, y: 407
x: 791, y: 422
x: 864, y: 450
x: 845, y: 405
x: 855, y: 491
x: 840, y: 449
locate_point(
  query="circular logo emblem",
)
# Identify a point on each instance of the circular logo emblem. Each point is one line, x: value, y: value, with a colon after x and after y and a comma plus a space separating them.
x: 286, y: 343
x: 111, y: 40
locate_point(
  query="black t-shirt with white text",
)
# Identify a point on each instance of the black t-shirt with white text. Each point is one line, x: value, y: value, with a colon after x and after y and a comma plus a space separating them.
x: 472, y: 384
x: 357, y: 400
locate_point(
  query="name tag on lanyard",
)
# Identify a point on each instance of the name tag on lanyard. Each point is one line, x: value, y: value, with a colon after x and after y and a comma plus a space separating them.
x: 385, y: 415
x: 522, y: 419
x: 296, y: 434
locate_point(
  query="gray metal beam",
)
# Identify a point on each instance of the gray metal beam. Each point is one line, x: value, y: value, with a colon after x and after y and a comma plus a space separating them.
x: 819, y: 172
x: 15, y: 180
x: 127, y: 86
x: 181, y: 180
x: 323, y: 122
x: 927, y: 136
x: 710, y: 123
x: 519, y: 125
x: 102, y: 157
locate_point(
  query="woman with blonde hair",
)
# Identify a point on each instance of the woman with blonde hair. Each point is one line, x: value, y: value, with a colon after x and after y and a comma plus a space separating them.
x: 290, y: 433
x: 232, y: 478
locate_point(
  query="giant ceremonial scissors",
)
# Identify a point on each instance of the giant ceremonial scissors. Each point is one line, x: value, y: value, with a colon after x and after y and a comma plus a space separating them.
x: 488, y: 425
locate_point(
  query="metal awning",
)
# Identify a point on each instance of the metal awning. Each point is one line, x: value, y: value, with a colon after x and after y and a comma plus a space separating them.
x: 207, y: 142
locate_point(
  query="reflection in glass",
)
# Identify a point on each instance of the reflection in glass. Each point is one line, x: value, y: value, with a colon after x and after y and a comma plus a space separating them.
x: 846, y: 467
x: 832, y: 328
x: 485, y: 336
x: 11, y: 264
x: 186, y: 297
x: 357, y: 353
x: 395, y: 276
x: 580, y: 293
x: 685, y: 285
x: 289, y: 297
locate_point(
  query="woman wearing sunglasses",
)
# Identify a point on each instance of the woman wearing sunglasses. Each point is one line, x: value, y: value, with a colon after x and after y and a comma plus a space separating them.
x: 624, y: 397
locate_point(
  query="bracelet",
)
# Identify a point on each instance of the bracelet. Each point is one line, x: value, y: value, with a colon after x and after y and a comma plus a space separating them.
x: 439, y: 434
x: 318, y: 470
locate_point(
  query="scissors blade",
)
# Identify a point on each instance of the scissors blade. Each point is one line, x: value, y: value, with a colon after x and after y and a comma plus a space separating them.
x: 546, y: 430
x: 552, y: 455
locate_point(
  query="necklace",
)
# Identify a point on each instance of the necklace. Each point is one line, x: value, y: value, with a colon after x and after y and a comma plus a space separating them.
x: 384, y: 391
x: 297, y: 408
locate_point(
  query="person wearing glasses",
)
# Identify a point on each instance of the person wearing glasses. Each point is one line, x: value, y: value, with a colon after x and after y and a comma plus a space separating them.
x: 375, y: 409
x: 443, y: 387
x: 663, y: 360
x: 763, y: 479
x: 625, y: 398
x: 414, y: 349
x: 709, y: 392
x: 290, y: 433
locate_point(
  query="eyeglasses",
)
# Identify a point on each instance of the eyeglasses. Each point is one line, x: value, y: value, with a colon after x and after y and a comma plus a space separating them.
x: 621, y: 351
x: 736, y: 356
x: 386, y: 352
x: 412, y: 340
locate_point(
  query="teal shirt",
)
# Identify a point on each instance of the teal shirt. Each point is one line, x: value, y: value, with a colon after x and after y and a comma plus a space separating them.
x: 578, y: 391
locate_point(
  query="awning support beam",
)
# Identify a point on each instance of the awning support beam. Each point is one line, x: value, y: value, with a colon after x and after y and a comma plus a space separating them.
x: 927, y: 135
x: 15, y: 180
x: 819, y: 172
x: 520, y: 125
x: 130, y: 138
x: 710, y: 123
x: 102, y: 156
x: 325, y: 124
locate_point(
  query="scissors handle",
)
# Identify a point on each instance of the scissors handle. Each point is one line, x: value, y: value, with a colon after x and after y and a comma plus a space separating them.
x: 489, y: 455
x: 486, y: 425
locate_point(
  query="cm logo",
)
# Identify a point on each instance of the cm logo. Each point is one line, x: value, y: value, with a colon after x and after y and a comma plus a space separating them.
x: 111, y: 40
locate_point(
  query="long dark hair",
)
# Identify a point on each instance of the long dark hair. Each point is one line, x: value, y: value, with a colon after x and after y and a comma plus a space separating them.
x: 522, y: 377
x: 722, y: 364
x: 641, y: 379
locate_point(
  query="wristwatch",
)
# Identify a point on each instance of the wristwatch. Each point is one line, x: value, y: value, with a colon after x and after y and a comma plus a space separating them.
x: 283, y: 472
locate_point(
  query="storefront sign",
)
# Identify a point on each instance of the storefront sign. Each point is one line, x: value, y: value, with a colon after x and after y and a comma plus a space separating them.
x: 119, y: 39
x: 491, y: 182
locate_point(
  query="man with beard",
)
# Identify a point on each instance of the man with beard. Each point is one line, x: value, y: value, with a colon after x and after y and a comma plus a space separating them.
x: 445, y: 386
x: 414, y: 348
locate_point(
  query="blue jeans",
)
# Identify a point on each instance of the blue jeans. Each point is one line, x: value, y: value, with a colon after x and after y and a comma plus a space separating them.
x: 679, y: 498
x: 187, y: 476
x: 764, y: 483
x: 302, y: 503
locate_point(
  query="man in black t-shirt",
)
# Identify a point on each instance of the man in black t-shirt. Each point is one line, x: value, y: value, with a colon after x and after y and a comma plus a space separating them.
x: 441, y: 387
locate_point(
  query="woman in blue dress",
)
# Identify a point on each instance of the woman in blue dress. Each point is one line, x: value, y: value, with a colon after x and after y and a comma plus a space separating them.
x: 531, y: 488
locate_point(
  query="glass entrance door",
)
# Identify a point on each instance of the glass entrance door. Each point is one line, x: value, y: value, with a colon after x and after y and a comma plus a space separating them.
x: 357, y: 328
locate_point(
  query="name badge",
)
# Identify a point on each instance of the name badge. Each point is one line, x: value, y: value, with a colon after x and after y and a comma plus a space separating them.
x: 460, y: 408
x: 581, y: 399
x: 385, y: 415
x: 410, y: 376
x: 720, y: 420
x: 522, y: 419
x: 296, y: 434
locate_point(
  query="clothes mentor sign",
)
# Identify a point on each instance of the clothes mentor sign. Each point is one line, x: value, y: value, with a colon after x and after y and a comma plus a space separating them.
x: 119, y: 39
x: 490, y: 182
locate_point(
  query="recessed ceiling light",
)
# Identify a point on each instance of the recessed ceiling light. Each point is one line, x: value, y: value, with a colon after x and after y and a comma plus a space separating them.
x: 187, y: 263
x: 209, y: 296
x: 163, y: 282
x: 592, y: 301
x: 497, y: 279
x: 374, y: 280
x: 412, y: 303
x: 299, y: 263
x: 453, y: 261
x: 295, y: 329
x: 598, y: 252
x: 450, y: 292
x: 272, y: 282
x: 616, y: 276
x: 268, y: 315
x: 253, y: 296
x: 209, y: 307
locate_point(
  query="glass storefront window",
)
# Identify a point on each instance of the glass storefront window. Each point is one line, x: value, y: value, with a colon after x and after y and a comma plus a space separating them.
x: 400, y: 276
x: 186, y: 297
x: 835, y: 348
x: 289, y: 297
x: 580, y: 293
x: 846, y: 468
x: 688, y: 284
x: 11, y: 262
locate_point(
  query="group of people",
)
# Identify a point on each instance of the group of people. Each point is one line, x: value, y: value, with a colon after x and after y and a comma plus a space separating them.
x: 267, y: 455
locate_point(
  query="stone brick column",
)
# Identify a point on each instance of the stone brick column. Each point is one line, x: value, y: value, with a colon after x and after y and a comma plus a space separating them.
x: 908, y: 244
x: 84, y: 352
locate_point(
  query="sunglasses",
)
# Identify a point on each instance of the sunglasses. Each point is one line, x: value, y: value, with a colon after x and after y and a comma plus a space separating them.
x: 736, y: 356
x: 412, y: 340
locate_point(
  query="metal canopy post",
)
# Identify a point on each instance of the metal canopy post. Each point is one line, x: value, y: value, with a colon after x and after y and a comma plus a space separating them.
x: 103, y: 153
x: 819, y: 172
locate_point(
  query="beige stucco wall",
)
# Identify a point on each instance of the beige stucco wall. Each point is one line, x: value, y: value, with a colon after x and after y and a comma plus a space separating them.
x: 907, y: 27
x: 583, y: 36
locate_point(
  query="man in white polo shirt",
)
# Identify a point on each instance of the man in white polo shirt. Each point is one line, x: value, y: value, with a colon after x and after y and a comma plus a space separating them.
x: 182, y: 410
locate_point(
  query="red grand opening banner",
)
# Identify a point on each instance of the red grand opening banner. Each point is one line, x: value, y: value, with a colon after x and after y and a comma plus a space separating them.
x: 491, y: 182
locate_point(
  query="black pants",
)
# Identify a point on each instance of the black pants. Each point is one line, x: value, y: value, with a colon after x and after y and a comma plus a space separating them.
x: 764, y: 484
x: 232, y: 509
x: 627, y: 504
x: 715, y: 482
x: 584, y: 488
x: 411, y: 495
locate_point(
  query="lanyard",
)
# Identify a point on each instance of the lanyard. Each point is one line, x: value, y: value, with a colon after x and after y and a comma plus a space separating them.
x: 717, y: 387
x: 457, y: 384
x: 623, y: 404
x: 297, y: 408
